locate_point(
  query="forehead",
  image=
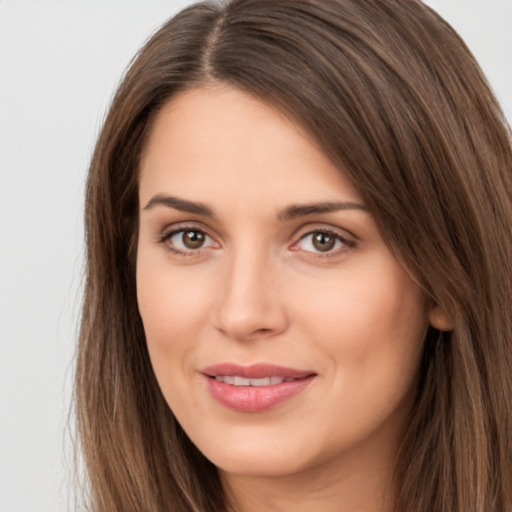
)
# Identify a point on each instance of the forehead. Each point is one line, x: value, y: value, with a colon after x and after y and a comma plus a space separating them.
x: 222, y: 142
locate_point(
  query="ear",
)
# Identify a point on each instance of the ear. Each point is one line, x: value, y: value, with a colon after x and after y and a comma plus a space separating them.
x: 439, y: 319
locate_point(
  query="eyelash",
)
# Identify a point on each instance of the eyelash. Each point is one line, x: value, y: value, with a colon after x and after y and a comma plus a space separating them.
x: 347, y: 244
x: 182, y: 229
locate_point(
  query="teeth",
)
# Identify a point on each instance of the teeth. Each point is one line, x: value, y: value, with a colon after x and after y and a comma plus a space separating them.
x: 243, y: 381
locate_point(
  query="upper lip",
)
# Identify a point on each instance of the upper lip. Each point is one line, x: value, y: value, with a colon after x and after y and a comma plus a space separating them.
x: 255, y: 371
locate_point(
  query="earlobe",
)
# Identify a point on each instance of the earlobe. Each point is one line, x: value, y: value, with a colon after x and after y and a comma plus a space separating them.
x: 439, y: 319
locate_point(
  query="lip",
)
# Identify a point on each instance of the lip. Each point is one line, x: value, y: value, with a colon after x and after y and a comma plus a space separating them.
x: 255, y: 371
x: 255, y: 398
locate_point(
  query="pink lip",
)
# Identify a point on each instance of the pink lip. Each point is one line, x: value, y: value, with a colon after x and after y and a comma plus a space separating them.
x: 255, y: 398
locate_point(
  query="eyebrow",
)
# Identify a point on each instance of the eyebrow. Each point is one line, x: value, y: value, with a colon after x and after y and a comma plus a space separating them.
x: 303, y: 210
x: 289, y: 213
x: 179, y: 204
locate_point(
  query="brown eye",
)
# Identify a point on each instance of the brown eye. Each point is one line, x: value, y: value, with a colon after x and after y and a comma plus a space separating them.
x: 323, y: 242
x: 187, y: 241
x: 193, y: 239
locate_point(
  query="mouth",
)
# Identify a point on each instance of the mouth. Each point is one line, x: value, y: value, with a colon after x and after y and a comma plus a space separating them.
x: 237, y: 380
x: 257, y: 387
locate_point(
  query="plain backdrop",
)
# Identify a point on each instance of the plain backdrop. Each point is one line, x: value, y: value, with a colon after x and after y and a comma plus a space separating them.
x: 59, y: 65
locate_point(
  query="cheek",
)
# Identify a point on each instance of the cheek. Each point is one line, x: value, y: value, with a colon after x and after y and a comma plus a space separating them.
x: 371, y: 328
x: 171, y: 312
x: 170, y: 298
x: 174, y: 308
x: 370, y: 323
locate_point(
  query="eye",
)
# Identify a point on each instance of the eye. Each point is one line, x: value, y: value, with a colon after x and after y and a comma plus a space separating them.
x: 323, y: 241
x: 185, y: 241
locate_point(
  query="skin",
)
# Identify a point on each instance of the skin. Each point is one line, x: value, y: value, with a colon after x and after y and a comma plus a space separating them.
x: 259, y: 291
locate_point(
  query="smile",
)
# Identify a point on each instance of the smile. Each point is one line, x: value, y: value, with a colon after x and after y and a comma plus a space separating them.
x: 236, y: 380
x: 255, y: 388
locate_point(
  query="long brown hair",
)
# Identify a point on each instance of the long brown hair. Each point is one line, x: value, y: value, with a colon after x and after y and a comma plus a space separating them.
x: 391, y: 94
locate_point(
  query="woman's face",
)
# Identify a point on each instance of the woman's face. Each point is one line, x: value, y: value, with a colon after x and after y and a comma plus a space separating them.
x: 284, y: 335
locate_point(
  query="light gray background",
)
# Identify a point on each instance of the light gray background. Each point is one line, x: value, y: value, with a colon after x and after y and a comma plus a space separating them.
x: 59, y: 64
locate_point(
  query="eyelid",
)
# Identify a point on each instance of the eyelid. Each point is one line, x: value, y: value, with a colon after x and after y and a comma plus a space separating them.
x: 171, y: 230
x: 191, y: 225
x: 347, y: 239
x: 315, y: 227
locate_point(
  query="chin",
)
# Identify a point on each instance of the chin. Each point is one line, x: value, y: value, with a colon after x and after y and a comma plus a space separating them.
x: 259, y: 457
x: 259, y: 466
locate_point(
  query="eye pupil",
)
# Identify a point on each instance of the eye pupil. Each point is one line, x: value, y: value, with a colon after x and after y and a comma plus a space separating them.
x: 193, y: 239
x: 323, y: 242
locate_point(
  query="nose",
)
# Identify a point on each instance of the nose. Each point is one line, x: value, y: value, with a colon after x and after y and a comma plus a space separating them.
x: 250, y: 303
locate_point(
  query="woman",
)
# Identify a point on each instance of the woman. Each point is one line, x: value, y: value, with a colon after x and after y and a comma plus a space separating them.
x: 298, y: 286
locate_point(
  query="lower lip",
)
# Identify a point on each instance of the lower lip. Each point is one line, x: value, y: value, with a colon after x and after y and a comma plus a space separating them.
x: 255, y: 398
